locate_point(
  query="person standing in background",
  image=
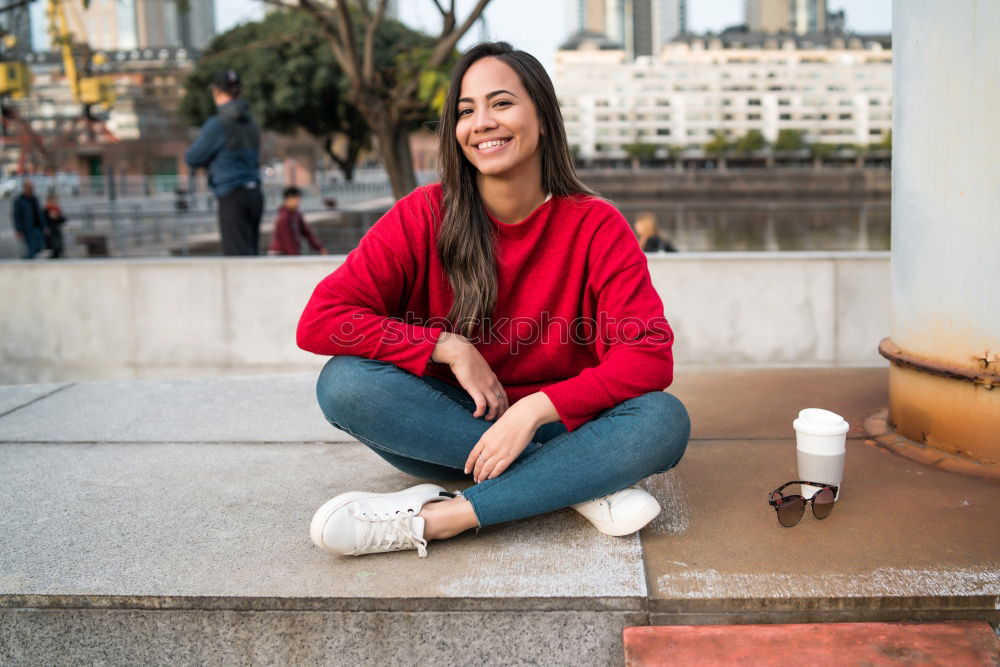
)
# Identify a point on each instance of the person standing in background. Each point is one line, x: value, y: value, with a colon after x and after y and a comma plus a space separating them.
x: 29, y: 223
x: 291, y: 227
x: 54, y: 220
x: 648, y: 236
x: 229, y: 146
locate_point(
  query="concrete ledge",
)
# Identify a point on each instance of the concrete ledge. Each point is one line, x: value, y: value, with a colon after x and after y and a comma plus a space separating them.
x: 275, y: 408
x: 199, y: 520
x: 137, y: 535
x: 181, y: 317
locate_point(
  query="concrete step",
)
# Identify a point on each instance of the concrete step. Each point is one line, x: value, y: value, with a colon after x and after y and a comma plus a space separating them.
x: 161, y: 540
x: 158, y: 518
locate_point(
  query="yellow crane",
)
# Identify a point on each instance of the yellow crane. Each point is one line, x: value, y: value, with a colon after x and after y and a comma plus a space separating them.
x: 88, y: 90
x: 14, y: 79
x: 15, y: 83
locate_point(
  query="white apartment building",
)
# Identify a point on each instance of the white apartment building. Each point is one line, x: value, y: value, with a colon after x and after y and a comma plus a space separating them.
x: 836, y: 89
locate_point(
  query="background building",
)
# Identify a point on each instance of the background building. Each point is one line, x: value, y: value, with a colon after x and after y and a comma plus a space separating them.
x: 835, y: 89
x: 640, y: 27
x: 149, y: 135
x: 140, y: 24
x: 795, y: 16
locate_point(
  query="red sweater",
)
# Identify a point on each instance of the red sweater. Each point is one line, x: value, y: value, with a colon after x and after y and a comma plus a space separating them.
x: 288, y: 229
x: 577, y: 316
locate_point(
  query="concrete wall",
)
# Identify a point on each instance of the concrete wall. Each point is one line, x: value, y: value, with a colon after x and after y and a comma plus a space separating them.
x: 141, y: 318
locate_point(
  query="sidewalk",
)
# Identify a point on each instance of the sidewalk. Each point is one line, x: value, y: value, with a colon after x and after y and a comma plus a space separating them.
x: 145, y: 521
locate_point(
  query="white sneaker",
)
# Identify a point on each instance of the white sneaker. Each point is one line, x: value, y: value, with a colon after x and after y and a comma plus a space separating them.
x: 620, y: 513
x: 359, y: 523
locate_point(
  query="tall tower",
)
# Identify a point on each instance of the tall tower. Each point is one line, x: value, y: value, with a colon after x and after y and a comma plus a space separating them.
x: 138, y: 24
x: 591, y: 15
x: 669, y: 20
x: 643, y: 28
x: 808, y: 16
x: 197, y: 25
x: 640, y: 26
x: 797, y: 16
x: 105, y: 25
x: 157, y: 23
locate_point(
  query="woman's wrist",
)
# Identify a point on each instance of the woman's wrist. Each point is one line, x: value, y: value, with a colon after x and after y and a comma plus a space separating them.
x: 449, y: 347
x: 541, y: 408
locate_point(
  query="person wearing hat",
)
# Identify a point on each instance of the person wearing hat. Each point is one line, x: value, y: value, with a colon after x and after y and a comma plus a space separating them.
x: 229, y: 146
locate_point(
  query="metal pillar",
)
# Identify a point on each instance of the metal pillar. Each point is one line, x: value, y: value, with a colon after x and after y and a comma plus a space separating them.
x: 944, y: 381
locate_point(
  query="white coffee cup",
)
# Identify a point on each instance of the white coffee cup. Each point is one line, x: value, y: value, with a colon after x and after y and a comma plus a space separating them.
x: 820, y: 446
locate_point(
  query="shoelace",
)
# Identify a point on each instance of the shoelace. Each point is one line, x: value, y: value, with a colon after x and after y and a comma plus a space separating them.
x: 391, y: 533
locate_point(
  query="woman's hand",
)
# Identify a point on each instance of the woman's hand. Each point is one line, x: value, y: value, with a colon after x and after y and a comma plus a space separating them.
x: 507, y: 439
x: 473, y: 373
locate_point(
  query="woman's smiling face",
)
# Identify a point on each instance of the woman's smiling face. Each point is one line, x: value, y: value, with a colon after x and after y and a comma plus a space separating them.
x: 497, y: 125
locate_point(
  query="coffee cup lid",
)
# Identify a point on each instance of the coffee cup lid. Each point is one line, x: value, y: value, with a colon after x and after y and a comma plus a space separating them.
x: 820, y: 422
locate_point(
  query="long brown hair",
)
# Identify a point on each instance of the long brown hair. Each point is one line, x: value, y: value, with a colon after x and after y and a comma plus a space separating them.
x: 466, y: 242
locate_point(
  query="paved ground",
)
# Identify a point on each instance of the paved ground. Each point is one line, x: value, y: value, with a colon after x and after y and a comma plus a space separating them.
x: 158, y: 511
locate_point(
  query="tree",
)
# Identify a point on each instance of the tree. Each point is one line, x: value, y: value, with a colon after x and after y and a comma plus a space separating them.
x: 292, y: 80
x: 718, y: 145
x: 386, y: 93
x: 676, y: 152
x: 860, y: 151
x: 639, y: 151
x: 819, y: 151
x: 789, y: 140
x: 885, y: 144
x: 750, y: 142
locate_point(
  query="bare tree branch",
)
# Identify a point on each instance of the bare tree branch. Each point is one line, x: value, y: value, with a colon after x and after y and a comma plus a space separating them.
x: 407, y: 89
x: 448, y: 41
x: 368, y: 65
x: 438, y: 5
x: 332, y: 30
x: 346, y: 26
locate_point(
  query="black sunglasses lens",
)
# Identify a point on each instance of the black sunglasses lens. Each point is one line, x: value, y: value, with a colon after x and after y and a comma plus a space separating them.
x: 823, y: 503
x: 790, y: 510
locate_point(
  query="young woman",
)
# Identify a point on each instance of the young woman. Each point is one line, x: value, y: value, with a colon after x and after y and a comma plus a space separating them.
x: 499, y: 326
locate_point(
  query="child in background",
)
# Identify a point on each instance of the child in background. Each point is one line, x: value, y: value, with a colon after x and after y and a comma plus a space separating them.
x: 54, y: 220
x: 290, y: 227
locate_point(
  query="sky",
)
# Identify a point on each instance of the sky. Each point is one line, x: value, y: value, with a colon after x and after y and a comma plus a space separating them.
x: 539, y: 26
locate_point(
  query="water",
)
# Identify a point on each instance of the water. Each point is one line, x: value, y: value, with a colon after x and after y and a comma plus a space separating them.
x: 786, y: 226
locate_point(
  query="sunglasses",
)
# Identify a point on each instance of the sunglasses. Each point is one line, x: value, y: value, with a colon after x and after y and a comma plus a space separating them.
x: 791, y: 508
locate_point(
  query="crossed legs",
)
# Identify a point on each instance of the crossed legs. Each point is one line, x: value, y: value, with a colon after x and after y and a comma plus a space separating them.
x: 424, y: 427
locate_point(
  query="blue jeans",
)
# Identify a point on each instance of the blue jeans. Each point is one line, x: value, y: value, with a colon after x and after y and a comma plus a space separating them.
x: 424, y: 427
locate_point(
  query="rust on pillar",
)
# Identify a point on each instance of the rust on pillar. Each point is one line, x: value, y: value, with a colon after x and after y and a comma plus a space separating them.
x: 942, y: 414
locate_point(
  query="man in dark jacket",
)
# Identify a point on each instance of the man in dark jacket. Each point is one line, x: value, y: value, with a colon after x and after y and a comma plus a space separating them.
x: 229, y: 145
x: 28, y: 221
